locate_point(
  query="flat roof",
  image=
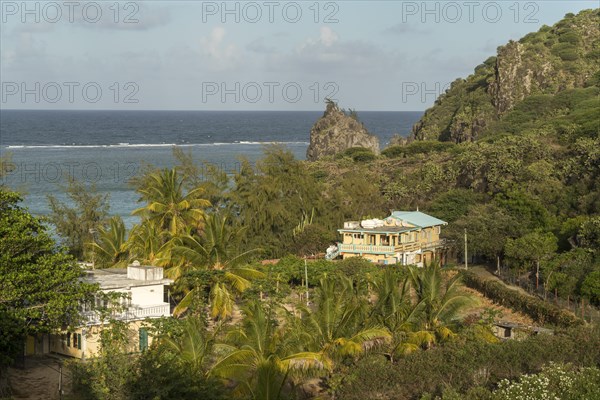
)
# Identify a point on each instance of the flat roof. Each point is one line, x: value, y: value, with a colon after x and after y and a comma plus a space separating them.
x: 116, y: 278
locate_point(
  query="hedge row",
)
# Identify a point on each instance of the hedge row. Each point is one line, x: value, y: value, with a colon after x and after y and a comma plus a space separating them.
x: 539, y: 310
x: 467, y: 365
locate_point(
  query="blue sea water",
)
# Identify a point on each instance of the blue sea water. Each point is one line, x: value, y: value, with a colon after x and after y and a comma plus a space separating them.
x: 108, y: 148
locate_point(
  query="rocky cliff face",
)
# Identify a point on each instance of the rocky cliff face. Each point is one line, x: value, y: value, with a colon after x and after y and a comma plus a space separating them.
x: 546, y: 62
x: 335, y: 132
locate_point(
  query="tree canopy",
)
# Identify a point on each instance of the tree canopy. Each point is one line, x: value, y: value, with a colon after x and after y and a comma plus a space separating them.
x: 40, y: 286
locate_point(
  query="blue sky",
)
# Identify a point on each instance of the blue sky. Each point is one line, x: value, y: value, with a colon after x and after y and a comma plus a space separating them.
x: 264, y: 55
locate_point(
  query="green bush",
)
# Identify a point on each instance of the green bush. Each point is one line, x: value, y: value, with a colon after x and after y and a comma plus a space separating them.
x: 292, y: 268
x: 358, y: 154
x: 537, y: 309
x: 566, y: 51
x: 393, y: 151
x: 555, y: 381
x: 470, y: 368
x: 417, y: 147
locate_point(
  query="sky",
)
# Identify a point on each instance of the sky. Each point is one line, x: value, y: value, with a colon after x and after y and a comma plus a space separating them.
x: 263, y: 55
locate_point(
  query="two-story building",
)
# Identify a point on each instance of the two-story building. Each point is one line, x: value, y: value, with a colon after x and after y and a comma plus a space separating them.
x: 143, y: 293
x: 405, y: 237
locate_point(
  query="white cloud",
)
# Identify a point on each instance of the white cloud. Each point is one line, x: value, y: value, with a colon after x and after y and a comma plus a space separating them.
x: 219, y: 54
x: 328, y: 36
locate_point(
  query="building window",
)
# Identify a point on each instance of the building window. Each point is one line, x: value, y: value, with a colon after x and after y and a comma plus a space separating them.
x: 75, y: 343
x: 166, y: 294
x: 143, y: 339
x: 79, y: 341
x: 68, y: 340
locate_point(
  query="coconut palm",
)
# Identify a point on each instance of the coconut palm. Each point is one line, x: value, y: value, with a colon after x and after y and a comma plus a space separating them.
x: 263, y: 359
x: 395, y: 310
x: 337, y: 326
x: 216, y: 251
x: 439, y: 303
x: 148, y: 244
x: 110, y: 247
x: 193, y: 347
x: 168, y: 204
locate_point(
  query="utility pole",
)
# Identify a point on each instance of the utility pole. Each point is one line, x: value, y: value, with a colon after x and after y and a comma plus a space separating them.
x: 466, y: 254
x: 306, y: 279
x: 60, y: 382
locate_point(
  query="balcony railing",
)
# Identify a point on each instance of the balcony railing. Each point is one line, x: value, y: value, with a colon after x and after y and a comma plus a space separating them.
x: 132, y: 313
x: 366, y: 248
x: 401, y: 248
x: 433, y: 245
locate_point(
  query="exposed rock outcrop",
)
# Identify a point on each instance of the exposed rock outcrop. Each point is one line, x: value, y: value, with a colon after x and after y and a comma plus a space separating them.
x: 337, y: 131
x: 546, y: 62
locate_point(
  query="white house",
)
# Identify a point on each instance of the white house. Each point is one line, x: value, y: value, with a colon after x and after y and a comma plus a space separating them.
x: 144, y: 293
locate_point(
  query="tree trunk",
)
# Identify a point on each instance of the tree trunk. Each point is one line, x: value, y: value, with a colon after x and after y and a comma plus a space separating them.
x: 498, y: 266
x: 537, y: 275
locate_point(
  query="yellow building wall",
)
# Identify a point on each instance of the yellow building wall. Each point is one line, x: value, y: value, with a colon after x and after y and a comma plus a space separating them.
x: 421, y: 237
x: 91, y: 340
x: 29, y: 345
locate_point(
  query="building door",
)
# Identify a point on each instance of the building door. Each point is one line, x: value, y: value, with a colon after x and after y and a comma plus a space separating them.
x: 143, y: 339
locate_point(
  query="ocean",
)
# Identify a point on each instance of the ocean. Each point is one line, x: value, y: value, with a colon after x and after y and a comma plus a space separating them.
x: 108, y: 148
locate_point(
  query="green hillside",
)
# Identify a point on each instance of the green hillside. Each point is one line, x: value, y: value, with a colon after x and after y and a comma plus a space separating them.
x: 551, y: 75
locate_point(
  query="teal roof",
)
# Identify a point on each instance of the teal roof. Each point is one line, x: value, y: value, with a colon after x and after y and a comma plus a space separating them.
x: 417, y: 218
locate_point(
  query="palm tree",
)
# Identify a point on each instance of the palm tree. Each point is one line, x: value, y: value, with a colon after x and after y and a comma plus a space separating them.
x: 263, y: 358
x: 168, y: 205
x: 217, y: 252
x: 439, y: 302
x: 193, y: 347
x: 110, y: 248
x: 394, y: 310
x: 148, y: 244
x: 338, y: 325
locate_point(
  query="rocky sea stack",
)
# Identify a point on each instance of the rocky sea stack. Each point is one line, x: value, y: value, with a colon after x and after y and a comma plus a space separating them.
x: 337, y: 131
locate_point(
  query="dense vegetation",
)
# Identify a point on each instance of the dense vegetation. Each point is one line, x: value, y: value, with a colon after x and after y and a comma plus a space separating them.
x: 471, y: 369
x: 40, y: 289
x: 280, y: 341
x: 536, y: 69
x: 521, y: 179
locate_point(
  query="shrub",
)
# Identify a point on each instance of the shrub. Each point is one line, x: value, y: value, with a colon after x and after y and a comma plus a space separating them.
x: 393, y: 151
x: 417, y: 147
x: 566, y: 51
x: 537, y: 309
x: 555, y: 381
x: 359, y: 154
x: 467, y: 367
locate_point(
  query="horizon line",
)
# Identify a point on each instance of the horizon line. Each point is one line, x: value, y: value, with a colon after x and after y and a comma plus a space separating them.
x: 113, y: 109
